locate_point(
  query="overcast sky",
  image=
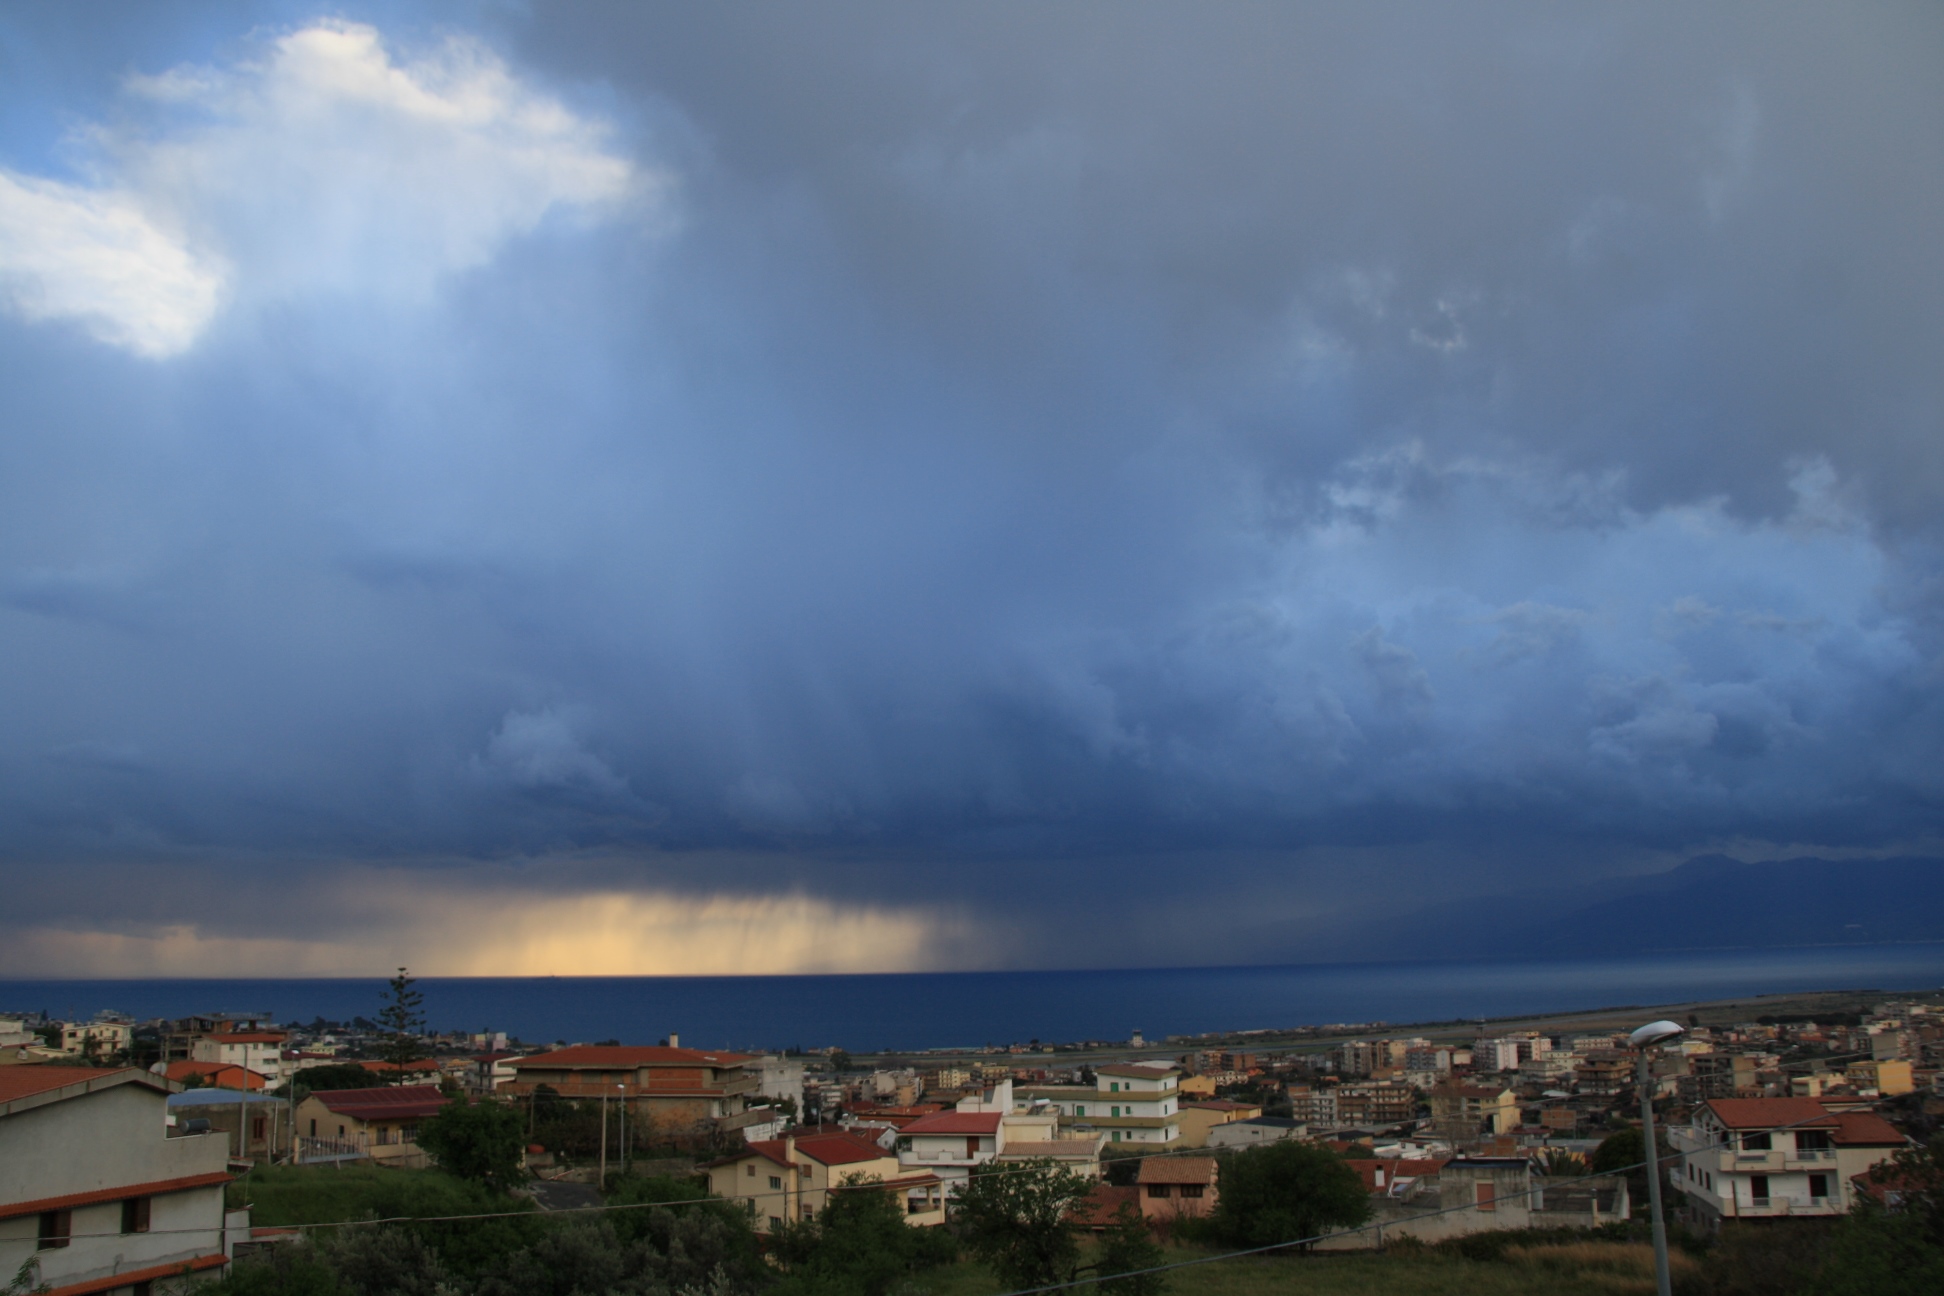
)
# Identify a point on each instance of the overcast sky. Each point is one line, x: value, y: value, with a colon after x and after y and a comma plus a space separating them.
x: 742, y: 487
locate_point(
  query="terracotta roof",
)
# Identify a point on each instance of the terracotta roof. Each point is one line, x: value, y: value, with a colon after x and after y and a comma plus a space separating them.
x: 767, y: 1149
x: 154, y: 1188
x: 838, y: 1149
x: 604, y: 1055
x: 1770, y: 1113
x: 1177, y: 1170
x: 955, y: 1122
x: 393, y: 1102
x: 1866, y: 1129
x: 249, y: 1037
x: 35, y: 1081
x: 1098, y: 1208
x: 221, y: 1075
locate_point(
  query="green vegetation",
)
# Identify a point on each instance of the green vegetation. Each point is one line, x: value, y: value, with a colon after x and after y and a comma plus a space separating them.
x: 1013, y: 1217
x: 335, y: 1075
x: 479, y: 1142
x: 402, y: 1018
x: 859, y: 1246
x: 1284, y: 1191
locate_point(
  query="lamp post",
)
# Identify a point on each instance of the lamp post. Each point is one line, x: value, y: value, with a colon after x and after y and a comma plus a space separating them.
x: 603, y: 1172
x: 1646, y: 1039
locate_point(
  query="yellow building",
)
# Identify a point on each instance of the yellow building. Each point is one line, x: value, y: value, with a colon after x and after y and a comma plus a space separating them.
x: 1889, y: 1076
x: 1197, y: 1118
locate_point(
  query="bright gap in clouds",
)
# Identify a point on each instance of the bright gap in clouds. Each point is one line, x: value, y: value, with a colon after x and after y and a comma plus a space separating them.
x: 322, y: 166
x: 448, y: 930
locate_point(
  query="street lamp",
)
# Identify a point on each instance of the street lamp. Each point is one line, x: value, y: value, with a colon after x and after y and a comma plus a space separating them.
x: 1646, y: 1039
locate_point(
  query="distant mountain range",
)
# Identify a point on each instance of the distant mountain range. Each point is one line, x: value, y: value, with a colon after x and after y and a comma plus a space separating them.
x: 1710, y: 902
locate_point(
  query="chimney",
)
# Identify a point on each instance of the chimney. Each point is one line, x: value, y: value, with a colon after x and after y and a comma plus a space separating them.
x: 789, y: 1148
x: 674, y: 1040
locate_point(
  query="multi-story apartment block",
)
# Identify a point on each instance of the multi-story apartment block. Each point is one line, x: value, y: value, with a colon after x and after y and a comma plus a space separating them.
x: 1724, y: 1075
x: 1380, y: 1103
x: 1462, y: 1111
x: 258, y: 1051
x: 1135, y: 1103
x: 1762, y: 1158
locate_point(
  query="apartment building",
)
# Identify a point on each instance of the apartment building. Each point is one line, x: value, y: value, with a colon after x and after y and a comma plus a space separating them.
x: 1132, y: 1103
x: 260, y: 1051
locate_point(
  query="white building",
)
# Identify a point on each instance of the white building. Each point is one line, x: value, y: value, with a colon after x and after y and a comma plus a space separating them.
x: 258, y: 1051
x: 1761, y: 1158
x: 93, y: 1190
x: 1135, y: 1103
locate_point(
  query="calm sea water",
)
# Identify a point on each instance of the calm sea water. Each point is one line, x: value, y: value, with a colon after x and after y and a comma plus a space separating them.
x: 970, y: 1009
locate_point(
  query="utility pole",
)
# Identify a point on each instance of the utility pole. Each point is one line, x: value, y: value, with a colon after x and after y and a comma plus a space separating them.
x: 604, y: 1142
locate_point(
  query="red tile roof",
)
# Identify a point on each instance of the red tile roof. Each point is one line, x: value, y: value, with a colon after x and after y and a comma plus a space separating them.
x: 32, y: 1080
x: 393, y: 1102
x: 1394, y: 1168
x: 955, y: 1122
x: 604, y: 1055
x: 839, y: 1149
x: 1771, y: 1113
x: 1176, y: 1170
x: 249, y: 1037
x: 1866, y: 1129
x: 220, y: 1075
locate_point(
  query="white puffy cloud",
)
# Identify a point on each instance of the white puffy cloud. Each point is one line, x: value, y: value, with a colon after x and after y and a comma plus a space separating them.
x: 324, y: 165
x: 93, y: 256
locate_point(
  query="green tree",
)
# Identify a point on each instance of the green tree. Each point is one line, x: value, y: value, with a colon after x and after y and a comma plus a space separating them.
x: 840, y: 1061
x: 1895, y: 1245
x: 1014, y: 1217
x: 1284, y: 1192
x: 859, y: 1246
x: 1128, y: 1248
x: 402, y: 1019
x: 477, y: 1141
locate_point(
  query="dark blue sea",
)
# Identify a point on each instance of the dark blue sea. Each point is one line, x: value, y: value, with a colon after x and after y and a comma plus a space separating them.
x: 967, y: 1010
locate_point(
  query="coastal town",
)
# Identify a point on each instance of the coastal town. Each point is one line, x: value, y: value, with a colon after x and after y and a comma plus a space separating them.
x: 127, y: 1148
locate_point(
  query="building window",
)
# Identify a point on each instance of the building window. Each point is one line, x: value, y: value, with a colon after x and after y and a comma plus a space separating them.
x: 135, y: 1215
x: 1157, y: 1190
x: 55, y: 1227
x: 1117, y: 1136
x: 1116, y: 1111
x: 142, y: 1289
x: 1812, y: 1140
x: 776, y: 1183
x: 258, y: 1127
x: 313, y: 1132
x: 750, y: 1170
x: 776, y: 1223
x: 1487, y: 1195
x: 1191, y: 1190
x: 1819, y: 1186
x: 1757, y: 1142
x: 1080, y: 1109
x: 1758, y: 1189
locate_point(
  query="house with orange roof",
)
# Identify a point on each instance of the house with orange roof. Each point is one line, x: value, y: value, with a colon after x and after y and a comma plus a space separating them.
x: 260, y: 1051
x: 97, y: 1194
x: 790, y: 1179
x: 1177, y: 1187
x: 379, y: 1124
x: 212, y: 1075
x: 1772, y: 1158
x: 666, y: 1084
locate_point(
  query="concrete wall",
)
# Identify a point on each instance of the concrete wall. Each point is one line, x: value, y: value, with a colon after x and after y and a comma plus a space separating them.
x: 110, y: 1139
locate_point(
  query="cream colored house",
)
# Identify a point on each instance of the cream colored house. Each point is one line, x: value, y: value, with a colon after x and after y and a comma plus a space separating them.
x: 791, y: 1179
x: 1198, y: 1118
x: 367, y: 1124
x: 94, y: 1192
x: 1764, y: 1158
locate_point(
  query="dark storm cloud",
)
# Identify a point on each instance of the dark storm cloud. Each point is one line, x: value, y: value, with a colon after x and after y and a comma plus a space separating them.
x: 1028, y: 455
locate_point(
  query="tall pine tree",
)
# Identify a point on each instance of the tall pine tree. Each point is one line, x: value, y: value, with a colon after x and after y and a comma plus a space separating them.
x: 402, y: 1019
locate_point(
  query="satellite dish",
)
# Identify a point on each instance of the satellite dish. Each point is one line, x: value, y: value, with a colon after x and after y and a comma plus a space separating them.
x: 1655, y: 1033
